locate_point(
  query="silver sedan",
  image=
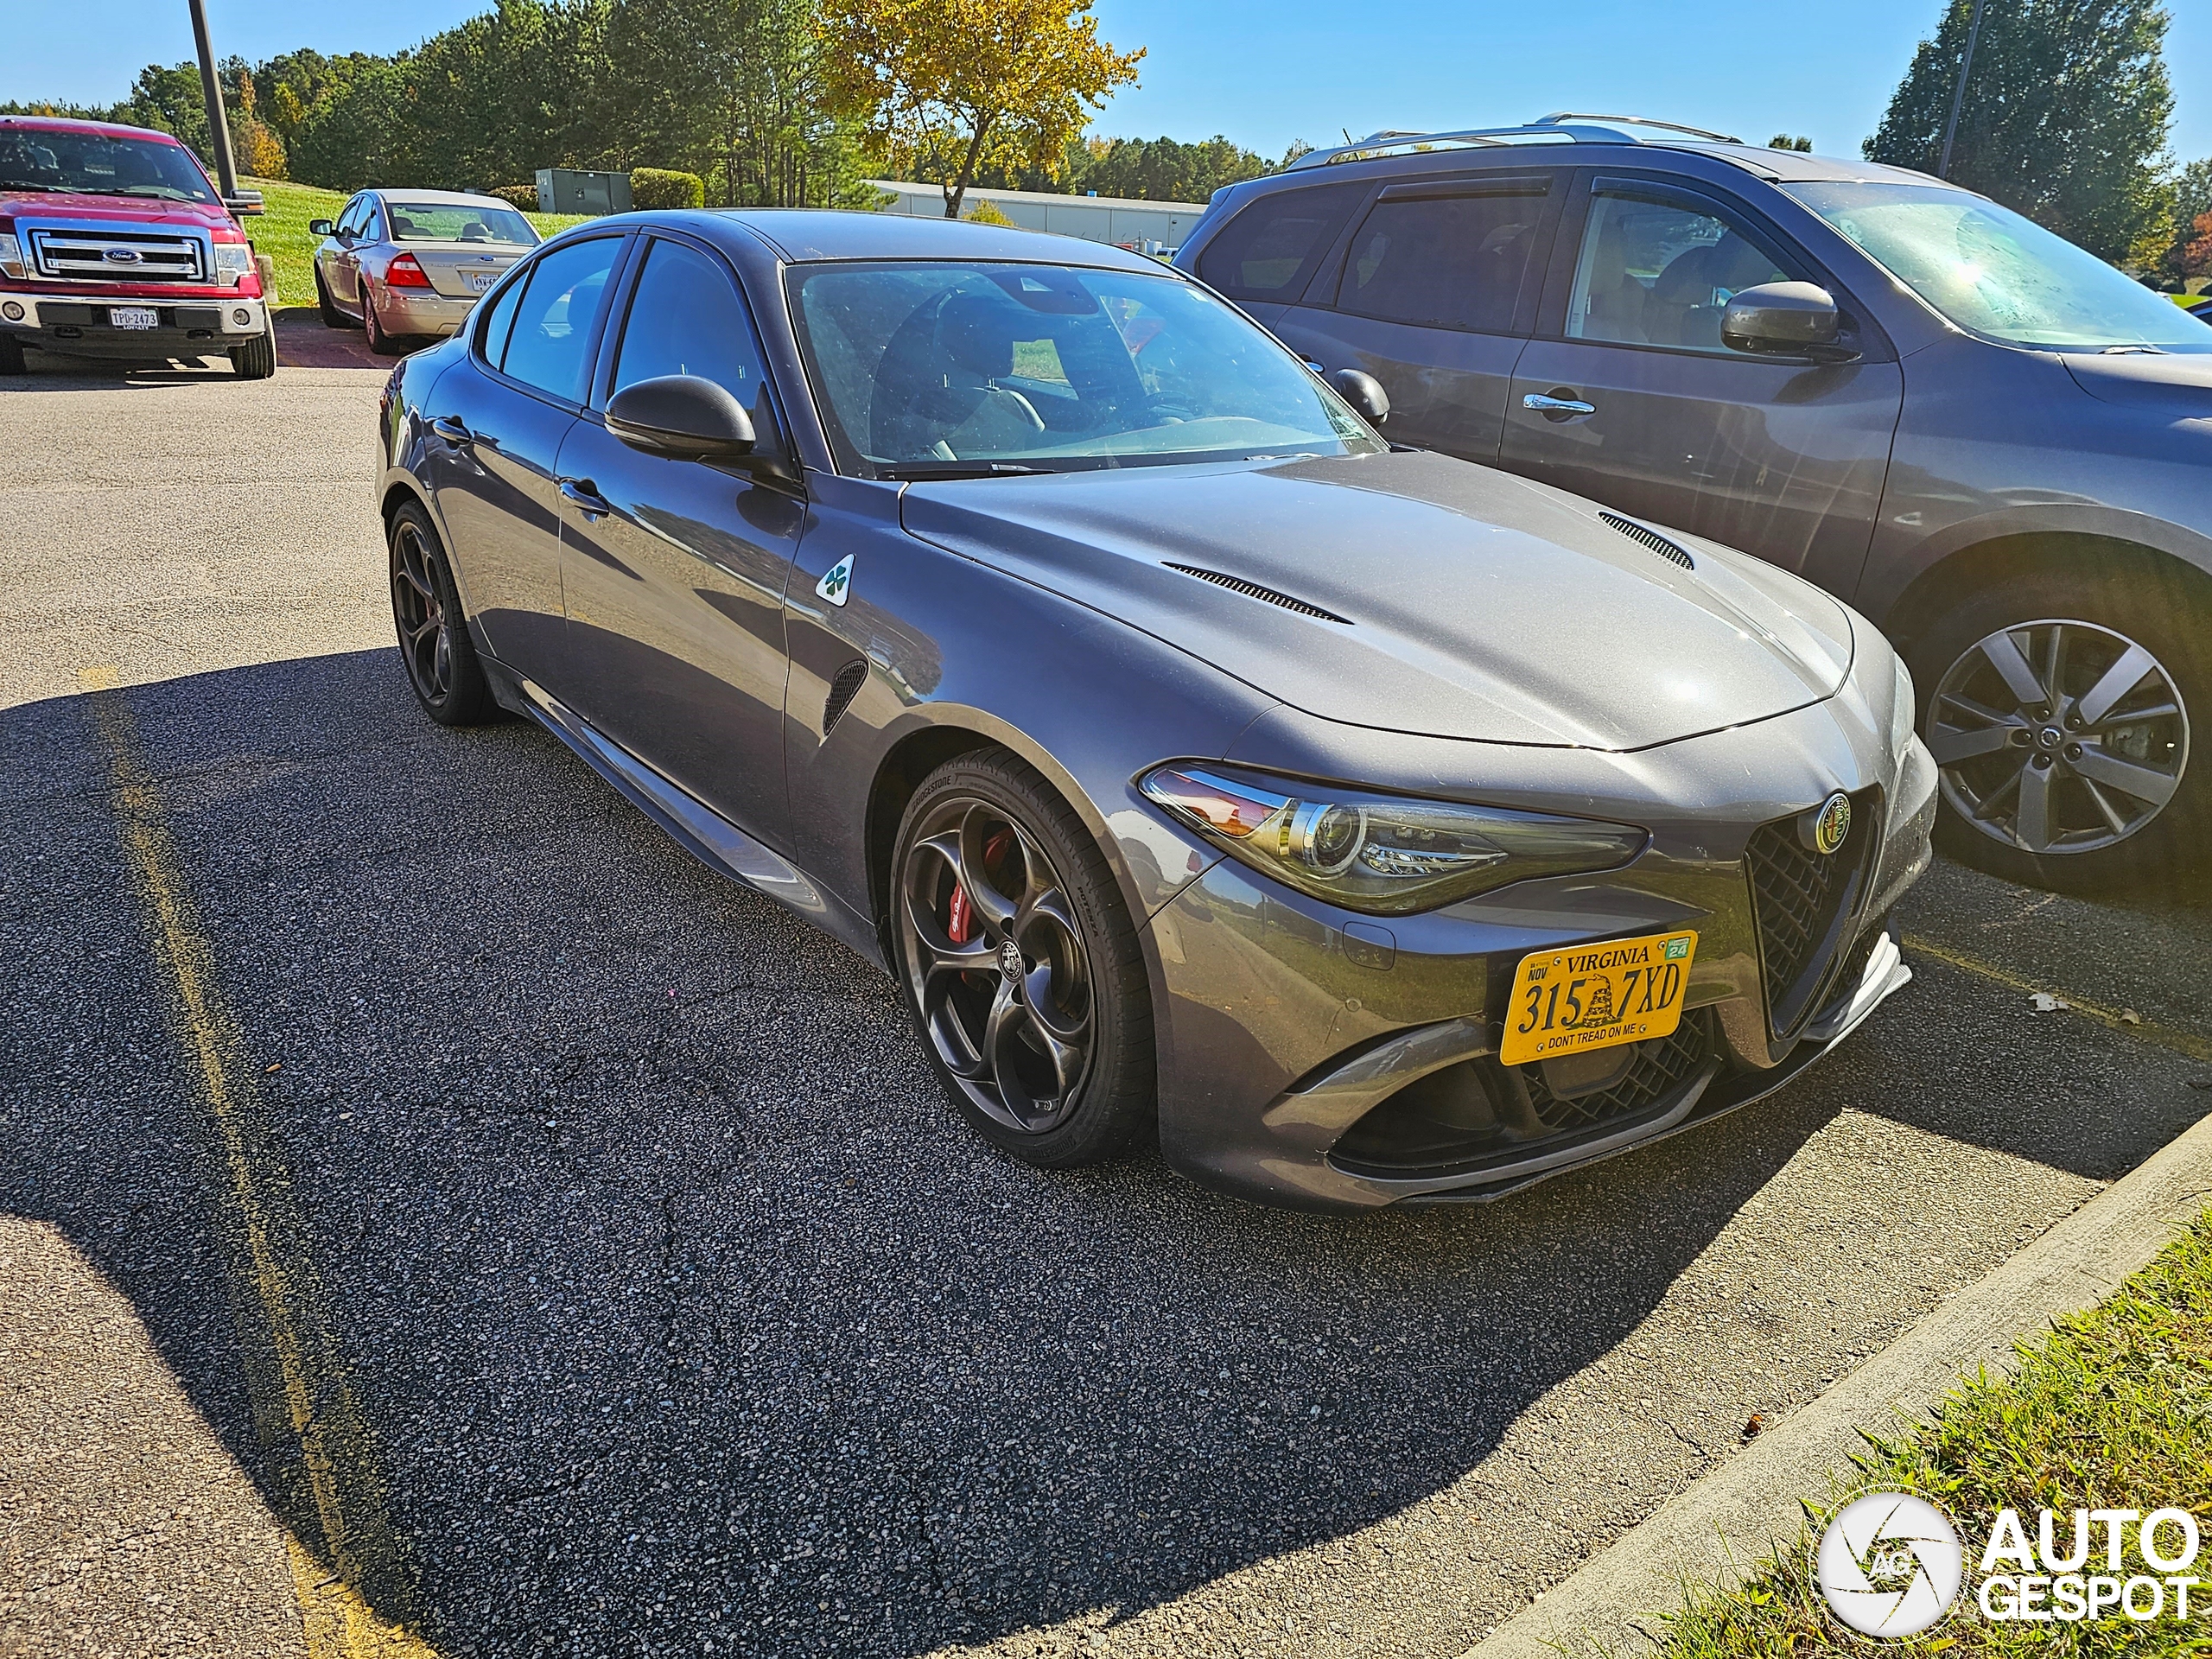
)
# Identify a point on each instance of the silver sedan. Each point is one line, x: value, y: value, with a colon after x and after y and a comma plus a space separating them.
x: 409, y: 264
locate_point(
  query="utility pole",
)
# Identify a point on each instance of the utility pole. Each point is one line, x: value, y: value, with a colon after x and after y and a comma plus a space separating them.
x: 1958, y: 93
x: 210, y: 91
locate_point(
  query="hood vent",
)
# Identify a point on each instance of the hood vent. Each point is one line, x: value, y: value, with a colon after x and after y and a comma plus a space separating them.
x: 1252, y: 590
x: 1650, y: 539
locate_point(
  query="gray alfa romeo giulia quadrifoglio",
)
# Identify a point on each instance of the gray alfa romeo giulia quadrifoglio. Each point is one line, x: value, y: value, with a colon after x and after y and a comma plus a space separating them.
x: 1366, y: 824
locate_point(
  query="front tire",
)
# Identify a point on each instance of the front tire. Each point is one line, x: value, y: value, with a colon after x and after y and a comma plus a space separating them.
x: 434, y: 640
x: 332, y: 316
x: 2061, y: 708
x: 257, y: 358
x: 1020, y: 966
x: 11, y: 356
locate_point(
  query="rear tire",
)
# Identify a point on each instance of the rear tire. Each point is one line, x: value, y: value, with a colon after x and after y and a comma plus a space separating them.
x: 11, y: 355
x: 1020, y: 966
x: 2061, y: 768
x: 382, y: 344
x: 434, y: 642
x: 257, y: 358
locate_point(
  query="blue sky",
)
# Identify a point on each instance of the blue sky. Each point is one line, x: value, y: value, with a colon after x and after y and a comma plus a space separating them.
x: 1266, y: 74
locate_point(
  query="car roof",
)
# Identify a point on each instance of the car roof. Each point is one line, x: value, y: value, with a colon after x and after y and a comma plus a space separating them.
x: 803, y: 235
x: 71, y: 123
x: 438, y: 198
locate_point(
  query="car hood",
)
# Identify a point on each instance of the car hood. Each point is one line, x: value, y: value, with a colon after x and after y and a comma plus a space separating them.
x: 2177, y: 384
x: 1458, y: 602
x: 134, y: 210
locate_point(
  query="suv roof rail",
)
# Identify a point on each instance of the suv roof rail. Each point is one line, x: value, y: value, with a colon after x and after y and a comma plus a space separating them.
x: 1562, y: 127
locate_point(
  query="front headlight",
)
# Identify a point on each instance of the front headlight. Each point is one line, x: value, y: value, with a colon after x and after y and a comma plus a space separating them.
x: 1376, y: 854
x: 233, y: 263
x: 1902, y: 710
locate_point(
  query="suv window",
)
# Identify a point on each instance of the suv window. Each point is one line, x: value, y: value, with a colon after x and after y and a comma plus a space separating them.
x: 1269, y: 250
x: 1657, y: 269
x: 685, y: 318
x: 552, y: 326
x: 1452, y: 261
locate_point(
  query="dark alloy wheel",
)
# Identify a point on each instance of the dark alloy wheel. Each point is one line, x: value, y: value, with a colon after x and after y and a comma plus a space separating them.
x: 1019, y: 965
x: 434, y: 640
x: 2063, y: 731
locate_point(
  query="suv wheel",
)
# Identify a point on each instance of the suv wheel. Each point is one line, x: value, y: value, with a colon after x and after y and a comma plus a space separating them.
x: 2060, y: 710
x: 1020, y: 966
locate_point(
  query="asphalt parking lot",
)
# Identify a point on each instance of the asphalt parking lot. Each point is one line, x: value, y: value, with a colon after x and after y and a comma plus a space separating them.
x: 436, y: 1213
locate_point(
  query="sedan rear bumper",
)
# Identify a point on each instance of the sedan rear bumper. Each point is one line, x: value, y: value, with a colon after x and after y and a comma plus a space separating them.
x: 184, y: 326
x: 414, y: 311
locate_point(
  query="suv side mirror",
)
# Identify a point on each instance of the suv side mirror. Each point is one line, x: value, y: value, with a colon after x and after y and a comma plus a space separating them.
x: 322, y: 227
x: 682, y: 417
x: 1364, y: 393
x: 1785, y: 320
x: 245, y: 204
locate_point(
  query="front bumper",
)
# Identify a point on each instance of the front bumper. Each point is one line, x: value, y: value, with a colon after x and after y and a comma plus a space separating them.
x: 195, y: 325
x: 1290, y: 1041
x: 411, y: 311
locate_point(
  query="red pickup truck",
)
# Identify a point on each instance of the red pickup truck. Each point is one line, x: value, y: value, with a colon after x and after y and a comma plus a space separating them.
x: 114, y: 243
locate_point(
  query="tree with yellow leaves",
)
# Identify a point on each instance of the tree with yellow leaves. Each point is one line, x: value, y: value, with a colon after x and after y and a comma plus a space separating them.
x: 943, y: 87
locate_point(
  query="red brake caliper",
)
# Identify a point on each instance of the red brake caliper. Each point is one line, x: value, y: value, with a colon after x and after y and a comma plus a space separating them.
x: 960, y: 918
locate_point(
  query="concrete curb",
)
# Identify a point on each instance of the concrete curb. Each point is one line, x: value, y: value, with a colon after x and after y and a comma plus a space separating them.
x: 1724, y: 1522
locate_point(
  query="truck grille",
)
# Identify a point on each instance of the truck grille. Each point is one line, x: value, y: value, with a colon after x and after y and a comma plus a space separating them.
x: 117, y: 256
x: 1803, y: 901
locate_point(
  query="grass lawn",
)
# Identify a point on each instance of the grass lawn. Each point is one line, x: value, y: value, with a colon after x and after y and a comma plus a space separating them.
x: 2112, y: 1409
x: 281, y: 231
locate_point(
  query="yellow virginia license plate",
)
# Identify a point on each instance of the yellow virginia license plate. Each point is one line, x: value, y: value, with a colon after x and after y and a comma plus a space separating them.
x: 1596, y: 995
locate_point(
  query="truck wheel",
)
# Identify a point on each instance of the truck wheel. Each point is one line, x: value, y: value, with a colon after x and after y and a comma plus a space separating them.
x: 332, y: 316
x: 257, y: 358
x: 11, y: 355
x: 2062, y: 708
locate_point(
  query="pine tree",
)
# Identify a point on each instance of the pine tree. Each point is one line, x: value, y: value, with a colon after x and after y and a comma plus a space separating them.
x: 2065, y: 116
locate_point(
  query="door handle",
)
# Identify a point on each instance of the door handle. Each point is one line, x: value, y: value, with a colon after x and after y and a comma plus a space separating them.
x: 583, y: 495
x: 1557, y: 409
x: 452, y: 429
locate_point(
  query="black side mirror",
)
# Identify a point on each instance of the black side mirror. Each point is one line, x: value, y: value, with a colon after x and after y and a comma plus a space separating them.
x: 681, y: 416
x: 1364, y: 393
x: 322, y: 227
x: 245, y: 204
x: 1785, y: 320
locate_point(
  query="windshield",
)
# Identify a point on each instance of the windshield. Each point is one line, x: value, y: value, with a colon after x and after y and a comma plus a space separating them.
x: 1988, y: 269
x: 96, y: 164
x: 441, y: 221
x: 941, y: 367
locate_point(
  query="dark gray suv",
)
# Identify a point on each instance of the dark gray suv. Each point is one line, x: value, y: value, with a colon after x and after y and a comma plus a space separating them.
x: 1987, y: 440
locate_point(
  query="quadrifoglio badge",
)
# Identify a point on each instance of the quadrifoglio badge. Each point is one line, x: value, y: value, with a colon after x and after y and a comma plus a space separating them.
x: 1892, y: 1565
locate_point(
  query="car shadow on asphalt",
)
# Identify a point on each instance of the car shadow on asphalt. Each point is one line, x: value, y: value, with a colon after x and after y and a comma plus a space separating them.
x: 681, y: 1310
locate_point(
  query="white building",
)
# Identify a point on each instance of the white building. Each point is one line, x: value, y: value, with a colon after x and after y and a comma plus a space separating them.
x: 1140, y: 227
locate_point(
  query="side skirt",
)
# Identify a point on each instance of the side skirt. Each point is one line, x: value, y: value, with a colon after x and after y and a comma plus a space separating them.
x: 690, y: 823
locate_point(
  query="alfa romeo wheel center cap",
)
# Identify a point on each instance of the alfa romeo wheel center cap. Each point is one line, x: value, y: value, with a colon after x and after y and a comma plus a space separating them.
x: 1010, y: 959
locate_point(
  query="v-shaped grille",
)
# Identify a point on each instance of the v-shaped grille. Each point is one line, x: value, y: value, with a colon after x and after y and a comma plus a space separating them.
x: 1803, y: 901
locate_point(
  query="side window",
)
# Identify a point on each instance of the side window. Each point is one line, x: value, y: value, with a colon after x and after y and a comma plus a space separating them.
x: 492, y: 339
x: 1450, y: 261
x: 371, y: 221
x: 349, y: 222
x: 1268, y: 252
x: 686, y: 318
x: 1658, y: 270
x: 552, y: 324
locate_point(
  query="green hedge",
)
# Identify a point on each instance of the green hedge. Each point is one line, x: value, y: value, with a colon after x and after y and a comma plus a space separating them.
x: 523, y: 196
x: 652, y: 187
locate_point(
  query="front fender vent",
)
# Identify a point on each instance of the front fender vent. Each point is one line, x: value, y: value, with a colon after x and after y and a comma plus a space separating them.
x: 842, y: 690
x: 1252, y: 590
x: 1650, y: 539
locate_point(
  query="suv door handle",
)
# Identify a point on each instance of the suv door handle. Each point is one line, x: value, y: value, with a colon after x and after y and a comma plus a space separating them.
x: 583, y: 495
x: 1556, y: 409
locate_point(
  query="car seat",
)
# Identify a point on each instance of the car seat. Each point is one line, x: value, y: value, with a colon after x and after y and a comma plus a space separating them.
x: 934, y: 392
x: 1614, y: 299
x: 1697, y: 284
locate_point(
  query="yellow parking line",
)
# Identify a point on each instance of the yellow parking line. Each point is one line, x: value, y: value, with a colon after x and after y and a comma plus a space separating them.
x: 303, y: 1402
x: 2181, y: 1042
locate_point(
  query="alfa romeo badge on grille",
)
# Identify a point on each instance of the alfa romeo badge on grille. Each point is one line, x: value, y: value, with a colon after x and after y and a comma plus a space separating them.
x: 1834, y: 825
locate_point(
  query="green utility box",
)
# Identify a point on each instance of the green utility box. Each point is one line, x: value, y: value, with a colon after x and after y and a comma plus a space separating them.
x: 571, y: 190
